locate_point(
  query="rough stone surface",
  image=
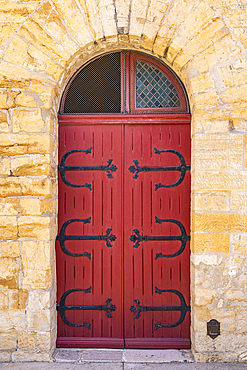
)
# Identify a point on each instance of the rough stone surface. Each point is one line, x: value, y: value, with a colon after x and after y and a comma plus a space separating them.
x: 68, y: 356
x: 157, y: 356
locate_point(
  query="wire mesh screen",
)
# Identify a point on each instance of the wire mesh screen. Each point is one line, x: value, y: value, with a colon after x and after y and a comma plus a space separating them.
x: 96, y: 88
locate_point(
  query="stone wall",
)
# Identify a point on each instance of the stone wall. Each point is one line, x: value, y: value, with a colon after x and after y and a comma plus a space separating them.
x: 42, y: 44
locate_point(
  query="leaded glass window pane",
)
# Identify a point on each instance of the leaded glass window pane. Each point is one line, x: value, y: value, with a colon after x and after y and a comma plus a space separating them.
x: 153, y: 88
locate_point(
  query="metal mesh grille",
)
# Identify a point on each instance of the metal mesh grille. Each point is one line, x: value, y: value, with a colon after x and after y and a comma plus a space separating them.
x: 96, y: 88
x: 153, y: 88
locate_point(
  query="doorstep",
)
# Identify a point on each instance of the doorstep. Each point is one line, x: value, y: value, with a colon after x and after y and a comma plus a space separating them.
x: 122, y: 355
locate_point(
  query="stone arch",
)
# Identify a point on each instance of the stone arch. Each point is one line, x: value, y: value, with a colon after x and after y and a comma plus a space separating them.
x: 42, y: 45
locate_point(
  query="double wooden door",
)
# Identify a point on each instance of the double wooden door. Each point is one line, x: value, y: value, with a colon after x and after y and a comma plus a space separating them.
x: 123, y: 236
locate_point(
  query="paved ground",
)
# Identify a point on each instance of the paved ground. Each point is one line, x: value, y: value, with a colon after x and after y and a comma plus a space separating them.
x: 93, y: 359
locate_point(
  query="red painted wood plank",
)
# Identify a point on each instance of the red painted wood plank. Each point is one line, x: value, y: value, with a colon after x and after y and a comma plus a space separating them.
x: 80, y: 203
x: 124, y: 119
x: 170, y: 343
x: 164, y: 273
x: 77, y: 342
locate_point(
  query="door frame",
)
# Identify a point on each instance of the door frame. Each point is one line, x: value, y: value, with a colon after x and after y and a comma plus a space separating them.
x: 122, y: 119
x: 128, y: 116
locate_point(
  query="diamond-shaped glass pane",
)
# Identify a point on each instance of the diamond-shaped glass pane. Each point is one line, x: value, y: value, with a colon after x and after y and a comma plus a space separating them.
x: 153, y: 88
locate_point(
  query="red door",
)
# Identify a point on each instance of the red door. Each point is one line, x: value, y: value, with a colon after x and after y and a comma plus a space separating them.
x: 89, y: 245
x: 123, y: 242
x: 156, y: 236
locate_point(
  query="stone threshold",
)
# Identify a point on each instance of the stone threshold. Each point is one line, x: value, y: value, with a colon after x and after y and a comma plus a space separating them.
x: 74, y: 355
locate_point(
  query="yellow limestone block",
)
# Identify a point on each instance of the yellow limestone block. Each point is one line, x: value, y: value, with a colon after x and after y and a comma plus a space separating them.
x: 138, y: 16
x: 178, y: 12
x: 234, y: 94
x: 238, y: 120
x: 34, y: 227
x: 38, y: 187
x: 26, y: 144
x: 219, y: 180
x: 239, y: 243
x: 36, y: 279
x: 8, y: 230
x: 3, y: 122
x: 212, y: 201
x: 12, y: 321
x: 236, y: 295
x: 16, y: 12
x: 7, y: 31
x: 12, y: 75
x: 4, y: 300
x: 202, y: 83
x: 210, y: 242
x: 38, y: 320
x: 43, y: 86
x: 218, y: 151
x: 202, y: 316
x: 75, y: 21
x: 24, y: 356
x: 4, y: 167
x: 224, y: 4
x: 218, y: 222
x: 36, y: 264
x: 26, y: 341
x: 50, y: 21
x: 27, y: 121
x: 9, y: 273
x: 3, y: 100
x: 195, y: 21
x: 26, y: 55
x: 216, y: 121
x: 9, y: 206
x: 8, y: 341
x: 231, y: 77
x: 219, y: 52
x: 18, y: 298
x: 33, y: 165
x: 10, y: 187
x: 46, y: 340
x: 204, y: 297
x: 212, y: 32
x: 25, y: 100
x: 205, y: 100
x: 242, y: 35
x: 13, y: 186
x: 35, y: 206
x: 92, y: 12
x: 238, y: 201
x: 154, y: 17
x: 245, y: 149
x: 10, y: 249
x: 34, y: 34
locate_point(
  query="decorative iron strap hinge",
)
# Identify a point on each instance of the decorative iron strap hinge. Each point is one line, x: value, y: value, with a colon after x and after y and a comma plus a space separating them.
x: 183, y: 238
x: 62, y: 307
x: 182, y: 168
x: 183, y: 308
x: 63, y: 168
x: 62, y: 238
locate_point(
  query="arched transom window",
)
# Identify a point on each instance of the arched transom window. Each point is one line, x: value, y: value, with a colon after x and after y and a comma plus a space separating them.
x: 124, y: 82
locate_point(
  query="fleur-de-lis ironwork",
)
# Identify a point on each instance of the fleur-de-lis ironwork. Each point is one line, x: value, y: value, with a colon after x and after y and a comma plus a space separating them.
x: 182, y: 168
x: 62, y: 238
x: 63, y: 168
x: 183, y: 308
x: 62, y: 307
x: 137, y: 238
